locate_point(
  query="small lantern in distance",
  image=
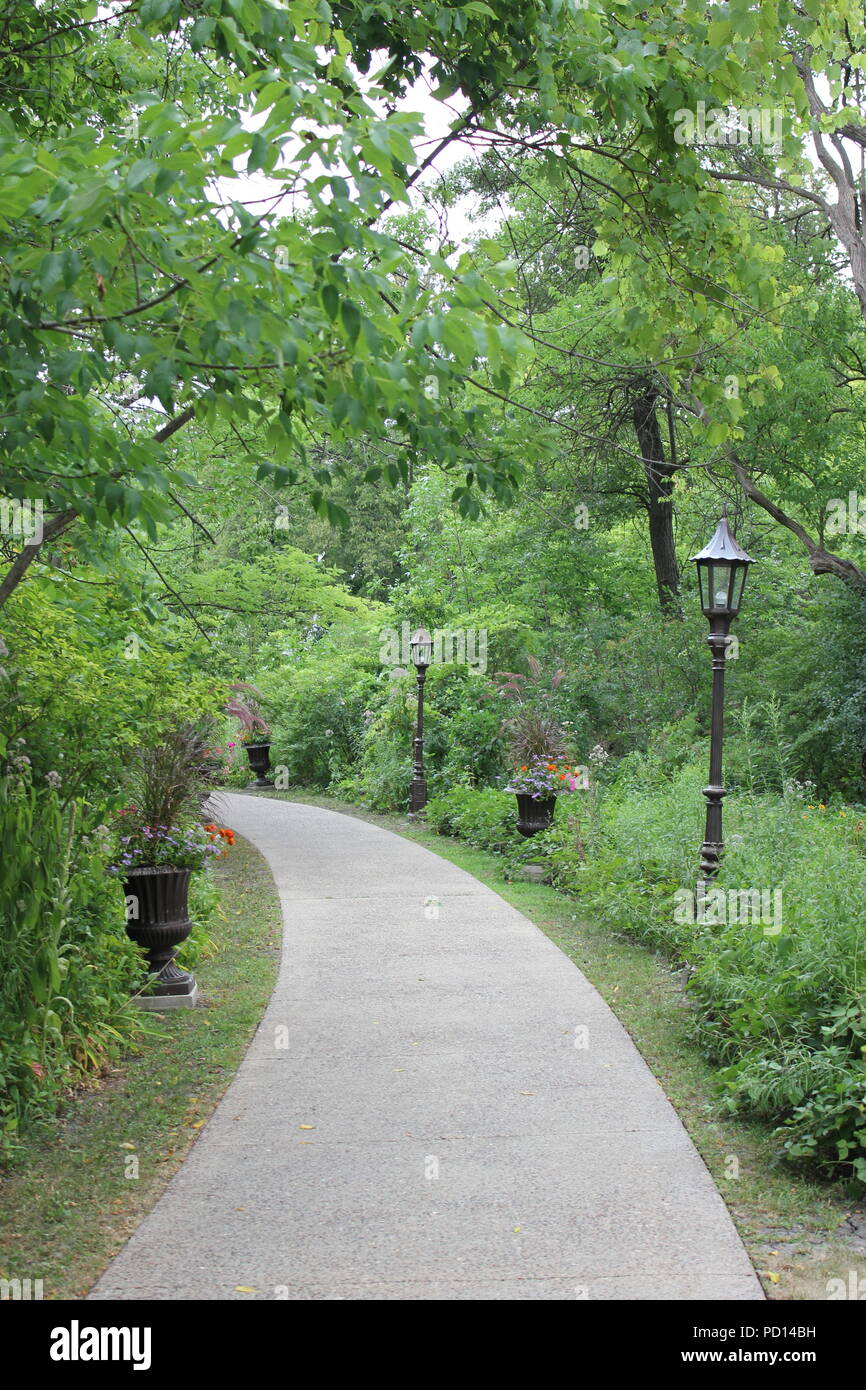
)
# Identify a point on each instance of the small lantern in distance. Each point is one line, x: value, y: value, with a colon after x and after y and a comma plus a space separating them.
x: 421, y: 652
x: 421, y: 648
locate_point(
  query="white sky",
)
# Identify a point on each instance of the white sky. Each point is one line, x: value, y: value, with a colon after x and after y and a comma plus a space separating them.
x: 437, y: 118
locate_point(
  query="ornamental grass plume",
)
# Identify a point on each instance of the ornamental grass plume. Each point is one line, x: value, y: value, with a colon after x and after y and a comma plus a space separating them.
x: 168, y: 780
x: 248, y: 712
x: 533, y: 736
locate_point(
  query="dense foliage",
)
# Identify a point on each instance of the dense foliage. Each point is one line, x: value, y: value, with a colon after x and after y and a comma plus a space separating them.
x: 277, y: 387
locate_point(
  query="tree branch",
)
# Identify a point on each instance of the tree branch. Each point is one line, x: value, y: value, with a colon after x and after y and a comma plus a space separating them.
x: 821, y: 560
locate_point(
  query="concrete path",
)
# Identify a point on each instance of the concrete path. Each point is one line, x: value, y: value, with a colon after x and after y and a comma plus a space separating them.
x: 457, y: 1114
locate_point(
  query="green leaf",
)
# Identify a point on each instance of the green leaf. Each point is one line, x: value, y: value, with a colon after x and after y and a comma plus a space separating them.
x: 351, y: 317
x: 140, y: 172
x: 258, y: 156
x: 330, y: 300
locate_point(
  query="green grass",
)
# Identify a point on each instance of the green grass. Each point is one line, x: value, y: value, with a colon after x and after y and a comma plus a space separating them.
x: 800, y: 1232
x: 71, y: 1199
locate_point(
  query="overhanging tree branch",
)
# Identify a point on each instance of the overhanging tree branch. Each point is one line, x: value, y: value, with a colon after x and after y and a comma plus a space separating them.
x: 61, y: 523
x: 822, y: 561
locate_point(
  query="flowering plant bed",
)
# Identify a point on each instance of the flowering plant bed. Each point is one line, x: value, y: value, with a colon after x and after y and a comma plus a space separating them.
x: 185, y: 846
x: 221, y: 837
x: 542, y: 778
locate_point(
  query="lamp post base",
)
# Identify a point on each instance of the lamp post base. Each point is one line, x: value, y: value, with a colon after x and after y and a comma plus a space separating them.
x: 711, y: 858
x: 714, y: 846
x: 417, y: 795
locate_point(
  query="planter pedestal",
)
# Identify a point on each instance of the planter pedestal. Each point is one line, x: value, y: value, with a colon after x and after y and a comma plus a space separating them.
x: 534, y: 813
x: 157, y: 920
x: 533, y: 873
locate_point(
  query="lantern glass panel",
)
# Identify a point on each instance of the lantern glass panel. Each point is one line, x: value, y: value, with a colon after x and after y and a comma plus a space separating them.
x: 703, y: 581
x: 739, y: 585
x: 720, y: 581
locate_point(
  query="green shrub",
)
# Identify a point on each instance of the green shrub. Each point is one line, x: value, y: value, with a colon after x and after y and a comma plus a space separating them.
x: 780, y: 1007
x: 318, y: 717
x: 485, y: 819
x: 67, y: 967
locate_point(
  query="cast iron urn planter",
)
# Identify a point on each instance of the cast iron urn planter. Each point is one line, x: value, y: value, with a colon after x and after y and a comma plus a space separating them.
x: 534, y: 813
x: 259, y: 755
x: 157, y: 920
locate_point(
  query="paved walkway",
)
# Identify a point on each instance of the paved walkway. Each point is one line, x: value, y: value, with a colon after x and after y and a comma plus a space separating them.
x: 431, y: 1131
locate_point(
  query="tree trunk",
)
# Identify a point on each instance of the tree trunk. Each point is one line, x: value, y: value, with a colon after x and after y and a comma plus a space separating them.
x: 660, y: 486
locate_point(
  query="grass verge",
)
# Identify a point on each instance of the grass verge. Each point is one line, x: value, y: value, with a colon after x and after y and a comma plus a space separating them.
x: 75, y: 1196
x: 799, y: 1233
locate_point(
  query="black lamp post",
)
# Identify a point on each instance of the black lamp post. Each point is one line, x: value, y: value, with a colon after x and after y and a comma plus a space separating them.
x: 421, y: 651
x: 722, y: 567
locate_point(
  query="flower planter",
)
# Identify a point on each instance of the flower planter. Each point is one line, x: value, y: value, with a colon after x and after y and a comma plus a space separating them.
x: 534, y: 813
x: 158, y: 921
x: 259, y: 755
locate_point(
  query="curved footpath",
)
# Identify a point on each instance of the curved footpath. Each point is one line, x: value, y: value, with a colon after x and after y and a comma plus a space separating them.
x: 431, y: 1130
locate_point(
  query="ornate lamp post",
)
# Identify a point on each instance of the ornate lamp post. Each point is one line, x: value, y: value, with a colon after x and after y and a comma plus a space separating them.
x: 421, y: 651
x: 722, y: 568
